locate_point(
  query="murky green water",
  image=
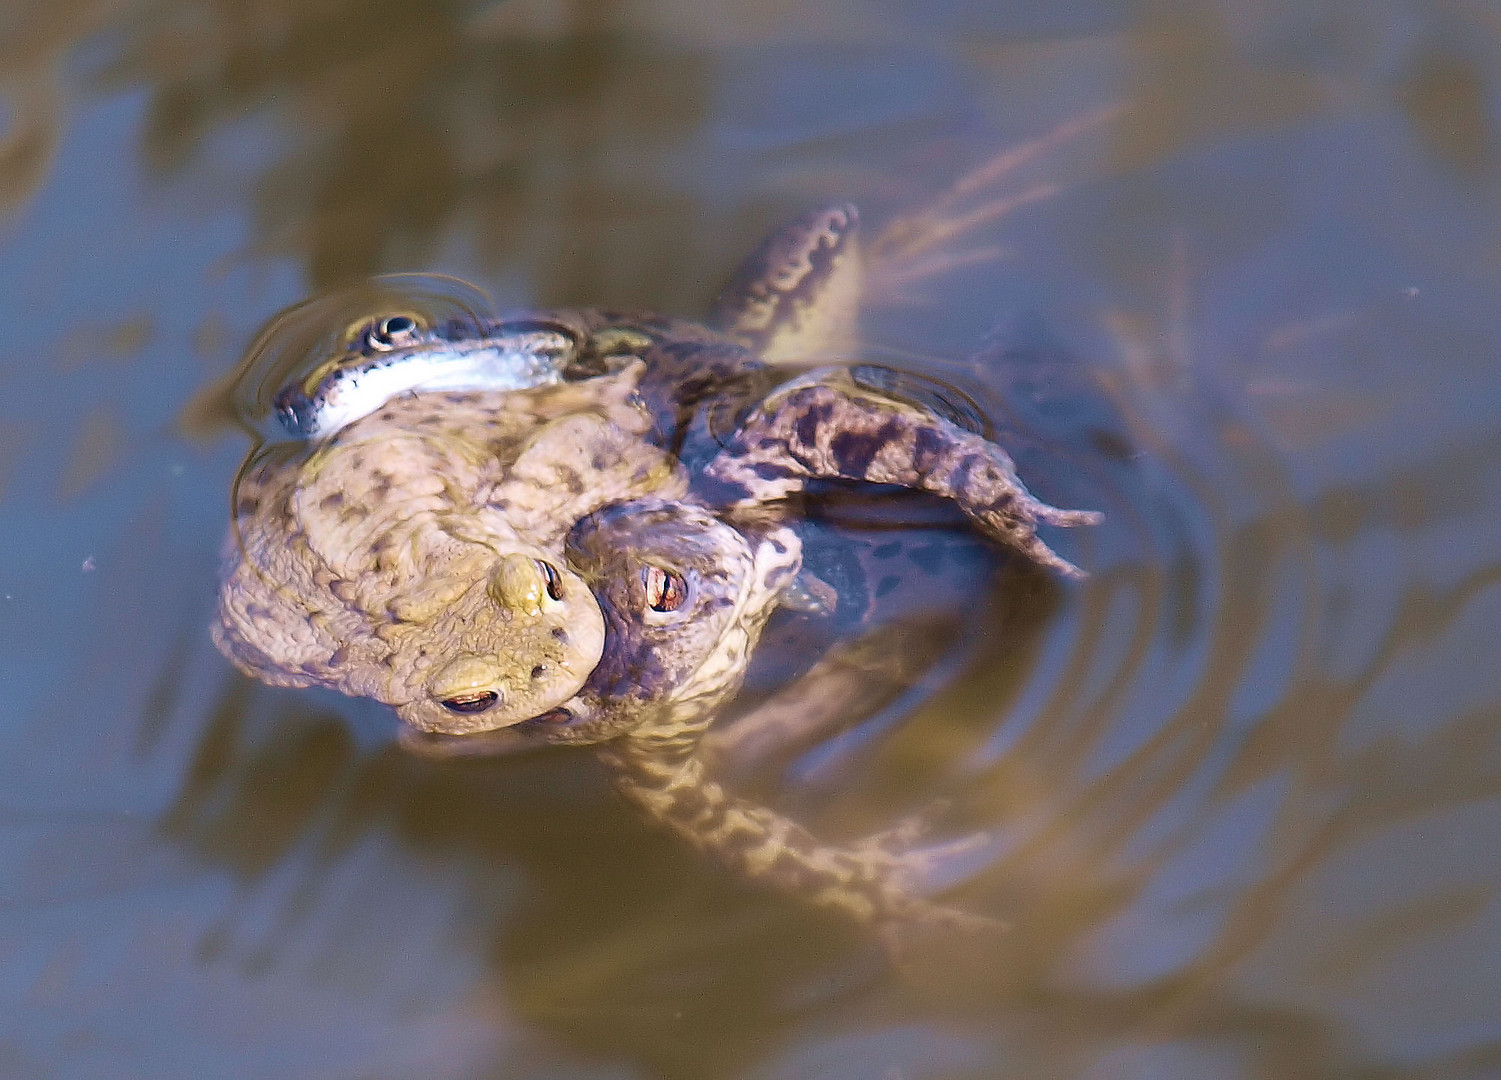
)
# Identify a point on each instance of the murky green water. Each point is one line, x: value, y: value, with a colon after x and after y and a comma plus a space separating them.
x: 1243, y: 786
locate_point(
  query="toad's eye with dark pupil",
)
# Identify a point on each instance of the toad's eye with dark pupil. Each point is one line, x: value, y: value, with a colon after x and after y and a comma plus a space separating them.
x: 550, y: 575
x: 665, y: 589
x: 393, y: 331
x: 475, y: 702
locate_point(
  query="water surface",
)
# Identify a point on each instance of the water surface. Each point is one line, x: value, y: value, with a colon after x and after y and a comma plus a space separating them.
x: 1243, y: 787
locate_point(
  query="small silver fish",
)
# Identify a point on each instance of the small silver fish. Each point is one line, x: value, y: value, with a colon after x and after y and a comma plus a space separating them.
x: 395, y: 355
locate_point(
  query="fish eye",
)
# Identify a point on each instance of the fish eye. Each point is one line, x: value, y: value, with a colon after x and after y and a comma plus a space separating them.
x: 390, y: 332
x: 550, y: 575
x: 665, y: 589
x: 474, y: 702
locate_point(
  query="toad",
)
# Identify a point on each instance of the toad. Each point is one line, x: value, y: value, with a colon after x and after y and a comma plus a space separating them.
x: 588, y: 554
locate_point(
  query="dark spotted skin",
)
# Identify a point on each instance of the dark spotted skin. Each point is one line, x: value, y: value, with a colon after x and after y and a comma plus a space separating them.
x: 797, y: 294
x: 865, y: 881
x: 825, y: 426
x: 749, y: 437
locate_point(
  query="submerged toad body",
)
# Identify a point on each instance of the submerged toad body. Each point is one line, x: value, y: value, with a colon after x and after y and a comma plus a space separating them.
x: 590, y: 558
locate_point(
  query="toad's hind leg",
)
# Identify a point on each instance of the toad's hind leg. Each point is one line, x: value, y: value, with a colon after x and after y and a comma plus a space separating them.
x: 796, y: 299
x: 826, y: 426
x: 869, y: 882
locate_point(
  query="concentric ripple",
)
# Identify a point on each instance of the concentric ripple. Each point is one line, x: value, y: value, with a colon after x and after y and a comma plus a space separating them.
x: 1084, y: 729
x: 303, y: 337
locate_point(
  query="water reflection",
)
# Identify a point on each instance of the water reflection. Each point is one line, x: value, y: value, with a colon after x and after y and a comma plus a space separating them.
x: 1241, y: 787
x: 36, y: 39
x: 405, y: 120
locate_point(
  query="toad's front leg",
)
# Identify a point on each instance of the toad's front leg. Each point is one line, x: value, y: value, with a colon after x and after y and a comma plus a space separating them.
x: 825, y: 426
x: 871, y: 882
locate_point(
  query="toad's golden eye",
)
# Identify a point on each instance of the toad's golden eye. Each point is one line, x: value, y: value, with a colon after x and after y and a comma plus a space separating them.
x: 385, y: 333
x: 550, y: 575
x: 476, y: 701
x: 665, y: 589
x: 394, y: 331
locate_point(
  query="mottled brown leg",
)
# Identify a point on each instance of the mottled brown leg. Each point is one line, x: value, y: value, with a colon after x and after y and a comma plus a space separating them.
x: 826, y: 427
x: 797, y: 297
x: 870, y: 882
